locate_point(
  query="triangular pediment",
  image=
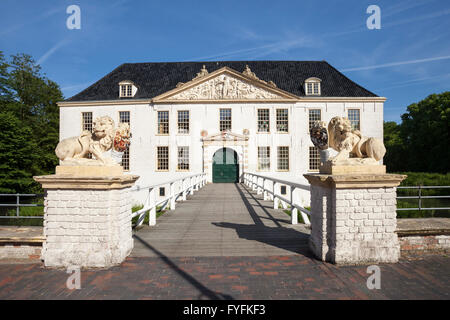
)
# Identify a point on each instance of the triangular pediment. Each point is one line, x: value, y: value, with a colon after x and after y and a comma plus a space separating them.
x: 225, y: 84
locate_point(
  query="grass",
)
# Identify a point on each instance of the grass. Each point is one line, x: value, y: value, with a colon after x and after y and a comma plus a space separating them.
x: 299, y: 216
x: 159, y: 213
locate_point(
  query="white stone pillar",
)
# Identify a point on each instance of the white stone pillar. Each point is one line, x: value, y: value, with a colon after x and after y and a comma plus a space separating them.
x: 353, y: 217
x: 87, y: 218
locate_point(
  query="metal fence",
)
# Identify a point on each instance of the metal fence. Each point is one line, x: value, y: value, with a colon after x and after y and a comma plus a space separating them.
x: 421, y: 197
x: 18, y: 205
x: 190, y: 183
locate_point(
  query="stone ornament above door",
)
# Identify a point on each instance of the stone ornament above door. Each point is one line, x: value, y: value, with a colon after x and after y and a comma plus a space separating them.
x: 225, y: 137
x: 225, y: 84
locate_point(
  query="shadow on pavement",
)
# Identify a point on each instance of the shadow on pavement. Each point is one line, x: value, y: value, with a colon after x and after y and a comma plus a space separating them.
x: 204, y: 291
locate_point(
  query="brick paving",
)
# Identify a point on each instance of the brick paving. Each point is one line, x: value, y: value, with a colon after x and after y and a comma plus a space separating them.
x: 275, y: 277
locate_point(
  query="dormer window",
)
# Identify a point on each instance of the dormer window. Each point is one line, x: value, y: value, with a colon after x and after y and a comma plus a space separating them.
x: 312, y: 86
x: 127, y: 89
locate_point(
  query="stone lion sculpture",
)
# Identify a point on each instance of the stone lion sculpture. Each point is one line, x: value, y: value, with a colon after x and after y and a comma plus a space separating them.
x: 75, y: 150
x: 350, y: 144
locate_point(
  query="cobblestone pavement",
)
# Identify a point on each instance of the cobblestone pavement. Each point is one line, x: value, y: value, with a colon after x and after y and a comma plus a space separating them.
x: 275, y: 277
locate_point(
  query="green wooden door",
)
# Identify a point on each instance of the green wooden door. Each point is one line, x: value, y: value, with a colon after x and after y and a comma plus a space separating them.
x: 225, y: 166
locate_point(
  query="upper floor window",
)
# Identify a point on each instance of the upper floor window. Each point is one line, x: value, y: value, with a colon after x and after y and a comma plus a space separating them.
x: 314, y: 115
x: 263, y: 120
x: 282, y: 120
x: 163, y: 122
x: 183, y: 121
x: 124, y: 117
x: 127, y: 89
x: 86, y: 121
x: 354, y: 117
x: 225, y: 119
x: 86, y: 124
x: 312, y: 86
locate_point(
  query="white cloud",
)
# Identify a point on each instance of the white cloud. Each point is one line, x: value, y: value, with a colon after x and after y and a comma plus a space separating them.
x: 393, y: 64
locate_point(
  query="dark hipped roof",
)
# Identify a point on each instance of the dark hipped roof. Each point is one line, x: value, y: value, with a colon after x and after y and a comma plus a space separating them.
x: 155, y: 78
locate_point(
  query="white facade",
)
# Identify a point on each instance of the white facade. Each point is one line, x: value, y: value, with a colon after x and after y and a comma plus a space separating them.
x: 204, y: 116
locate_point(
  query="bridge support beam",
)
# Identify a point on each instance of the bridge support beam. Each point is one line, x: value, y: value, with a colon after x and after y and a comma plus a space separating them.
x: 353, y: 218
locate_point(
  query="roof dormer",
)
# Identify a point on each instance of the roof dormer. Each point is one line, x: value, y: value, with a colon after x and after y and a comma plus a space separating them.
x: 127, y: 89
x: 312, y: 86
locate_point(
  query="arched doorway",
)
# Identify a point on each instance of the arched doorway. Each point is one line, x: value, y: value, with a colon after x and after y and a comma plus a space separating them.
x: 225, y: 166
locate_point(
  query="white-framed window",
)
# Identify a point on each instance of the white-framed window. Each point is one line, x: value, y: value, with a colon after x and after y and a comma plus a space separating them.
x: 314, y: 159
x: 354, y: 117
x: 312, y: 87
x: 314, y: 115
x: 163, y: 122
x: 183, y: 158
x: 225, y: 119
x: 263, y: 158
x: 282, y: 120
x: 86, y: 121
x: 127, y: 89
x: 124, y: 117
x: 283, y: 158
x: 162, y: 158
x: 86, y: 124
x: 183, y: 121
x: 263, y: 120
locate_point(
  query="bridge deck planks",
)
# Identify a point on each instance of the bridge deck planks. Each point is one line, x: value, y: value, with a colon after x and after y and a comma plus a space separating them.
x: 222, y: 219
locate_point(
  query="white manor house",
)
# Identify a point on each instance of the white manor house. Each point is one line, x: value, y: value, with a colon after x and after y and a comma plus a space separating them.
x: 222, y: 118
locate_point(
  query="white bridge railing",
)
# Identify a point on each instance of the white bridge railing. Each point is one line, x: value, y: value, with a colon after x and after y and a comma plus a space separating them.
x: 178, y: 190
x: 271, y: 190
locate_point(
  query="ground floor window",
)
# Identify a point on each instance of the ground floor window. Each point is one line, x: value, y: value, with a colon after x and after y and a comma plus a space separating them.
x: 162, y: 154
x: 263, y: 158
x: 314, y: 159
x: 283, y: 158
x: 183, y: 158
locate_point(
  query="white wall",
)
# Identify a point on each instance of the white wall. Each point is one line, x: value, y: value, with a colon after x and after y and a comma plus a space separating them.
x: 145, y: 139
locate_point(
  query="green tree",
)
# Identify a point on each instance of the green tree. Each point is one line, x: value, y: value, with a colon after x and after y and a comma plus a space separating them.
x: 394, y: 147
x: 425, y: 134
x: 18, y: 157
x: 31, y: 98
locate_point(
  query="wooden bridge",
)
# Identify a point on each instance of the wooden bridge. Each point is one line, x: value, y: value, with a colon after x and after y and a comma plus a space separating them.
x: 222, y: 219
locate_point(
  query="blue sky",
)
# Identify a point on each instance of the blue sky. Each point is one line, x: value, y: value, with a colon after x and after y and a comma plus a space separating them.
x: 405, y: 61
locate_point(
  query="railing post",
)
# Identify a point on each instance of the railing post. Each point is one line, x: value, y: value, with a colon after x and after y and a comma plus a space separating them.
x: 172, y: 196
x: 420, y: 198
x: 276, y: 201
x: 184, y: 189
x: 264, y: 190
x: 294, y: 210
x: 191, y: 186
x: 17, y: 202
x: 152, y: 205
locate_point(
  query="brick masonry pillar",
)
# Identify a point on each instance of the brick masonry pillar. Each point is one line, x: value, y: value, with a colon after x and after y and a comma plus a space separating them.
x: 87, y: 220
x: 353, y: 218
